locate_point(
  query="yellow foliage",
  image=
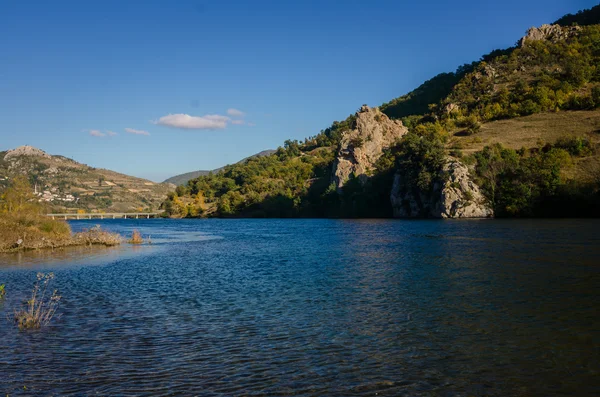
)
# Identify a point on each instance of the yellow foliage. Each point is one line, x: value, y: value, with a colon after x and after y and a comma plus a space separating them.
x: 19, y: 197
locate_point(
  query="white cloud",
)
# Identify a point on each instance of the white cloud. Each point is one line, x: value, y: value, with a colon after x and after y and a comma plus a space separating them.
x: 136, y: 132
x: 111, y: 133
x: 238, y: 122
x: 251, y: 125
x: 208, y: 122
x: 96, y: 133
x: 235, y: 112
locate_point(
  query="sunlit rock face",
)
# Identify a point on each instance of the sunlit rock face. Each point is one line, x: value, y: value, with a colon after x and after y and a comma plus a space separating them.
x: 361, y: 147
x: 553, y: 33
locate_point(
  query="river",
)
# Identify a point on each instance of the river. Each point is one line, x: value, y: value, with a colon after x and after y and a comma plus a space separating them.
x: 307, y: 307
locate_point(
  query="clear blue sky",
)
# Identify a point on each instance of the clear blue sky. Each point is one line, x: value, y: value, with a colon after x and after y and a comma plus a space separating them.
x: 80, y: 78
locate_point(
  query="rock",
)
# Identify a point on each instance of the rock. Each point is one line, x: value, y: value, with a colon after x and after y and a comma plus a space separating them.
x: 26, y: 151
x: 361, y: 147
x: 458, y: 197
x: 19, y: 241
x: 451, y: 108
x: 554, y: 33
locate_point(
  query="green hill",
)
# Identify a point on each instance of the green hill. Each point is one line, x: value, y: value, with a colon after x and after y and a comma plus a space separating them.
x: 182, y: 179
x: 531, y: 167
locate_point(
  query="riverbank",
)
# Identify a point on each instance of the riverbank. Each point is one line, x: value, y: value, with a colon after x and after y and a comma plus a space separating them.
x: 30, y: 231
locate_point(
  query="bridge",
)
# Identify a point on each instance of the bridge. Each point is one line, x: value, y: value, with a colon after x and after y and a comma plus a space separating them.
x: 113, y: 215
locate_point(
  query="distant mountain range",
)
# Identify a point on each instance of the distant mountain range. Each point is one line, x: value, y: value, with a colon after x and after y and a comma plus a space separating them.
x: 65, y: 184
x: 182, y: 179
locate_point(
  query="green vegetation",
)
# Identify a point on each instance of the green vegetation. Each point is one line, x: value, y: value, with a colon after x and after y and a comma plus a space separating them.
x: 42, y: 306
x: 540, y: 76
x: 582, y: 18
x: 531, y: 183
x: 2, y: 291
x: 263, y: 186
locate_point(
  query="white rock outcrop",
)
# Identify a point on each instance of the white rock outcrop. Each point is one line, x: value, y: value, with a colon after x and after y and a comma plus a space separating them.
x: 553, y: 33
x: 361, y: 147
x: 26, y: 151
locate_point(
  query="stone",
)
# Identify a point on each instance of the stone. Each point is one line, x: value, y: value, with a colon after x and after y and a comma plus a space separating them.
x: 26, y: 151
x: 361, y: 147
x: 553, y: 33
x: 457, y: 197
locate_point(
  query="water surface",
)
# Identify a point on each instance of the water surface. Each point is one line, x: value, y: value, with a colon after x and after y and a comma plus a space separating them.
x: 314, y: 308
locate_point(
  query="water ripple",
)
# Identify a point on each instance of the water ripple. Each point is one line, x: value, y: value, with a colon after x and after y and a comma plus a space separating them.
x: 318, y: 307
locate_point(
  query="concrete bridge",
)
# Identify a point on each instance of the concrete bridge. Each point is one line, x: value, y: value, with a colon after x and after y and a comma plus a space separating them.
x: 112, y: 215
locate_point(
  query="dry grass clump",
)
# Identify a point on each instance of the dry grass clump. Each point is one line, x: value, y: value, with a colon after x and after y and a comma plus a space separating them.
x: 41, y: 307
x: 136, y: 238
x: 97, y: 236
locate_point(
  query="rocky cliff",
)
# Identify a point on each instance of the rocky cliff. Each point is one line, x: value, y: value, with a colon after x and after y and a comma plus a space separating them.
x: 361, y: 147
x: 457, y: 197
x: 553, y: 33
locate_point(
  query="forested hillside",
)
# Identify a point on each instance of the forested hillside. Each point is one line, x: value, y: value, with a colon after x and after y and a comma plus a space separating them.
x: 554, y: 69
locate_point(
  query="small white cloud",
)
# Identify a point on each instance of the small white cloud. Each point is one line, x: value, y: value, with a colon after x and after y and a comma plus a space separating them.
x: 111, y: 133
x: 238, y: 122
x: 251, y: 125
x: 136, y: 132
x: 208, y: 122
x: 235, y: 113
x: 96, y: 133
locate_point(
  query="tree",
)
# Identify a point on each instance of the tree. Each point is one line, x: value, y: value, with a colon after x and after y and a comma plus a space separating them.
x: 19, y: 196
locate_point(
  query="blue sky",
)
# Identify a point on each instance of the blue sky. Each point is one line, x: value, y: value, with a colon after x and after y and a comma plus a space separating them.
x: 158, y: 88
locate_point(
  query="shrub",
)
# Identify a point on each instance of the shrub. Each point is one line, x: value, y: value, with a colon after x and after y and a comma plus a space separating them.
x: 97, y: 236
x: 576, y: 146
x: 41, y: 307
x: 2, y: 291
x: 56, y: 227
x: 136, y: 238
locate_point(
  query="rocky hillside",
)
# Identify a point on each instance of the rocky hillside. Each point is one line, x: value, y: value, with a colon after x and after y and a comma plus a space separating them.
x: 64, y: 184
x: 513, y: 134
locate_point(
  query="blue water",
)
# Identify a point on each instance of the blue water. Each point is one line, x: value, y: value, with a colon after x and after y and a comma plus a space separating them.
x: 314, y: 308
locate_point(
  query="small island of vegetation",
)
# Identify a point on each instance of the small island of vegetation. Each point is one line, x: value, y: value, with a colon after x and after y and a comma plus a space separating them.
x: 24, y: 225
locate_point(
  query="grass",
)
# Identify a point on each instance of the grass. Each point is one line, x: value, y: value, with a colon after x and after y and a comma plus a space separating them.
x: 31, y: 231
x: 537, y: 130
x: 42, y: 306
x: 2, y: 291
x: 530, y: 131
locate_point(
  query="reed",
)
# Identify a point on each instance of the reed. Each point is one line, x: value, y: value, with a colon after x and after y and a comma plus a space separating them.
x: 42, y: 306
x: 136, y: 238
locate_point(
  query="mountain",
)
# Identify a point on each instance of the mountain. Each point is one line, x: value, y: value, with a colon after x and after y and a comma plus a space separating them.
x: 182, y: 179
x: 65, y: 184
x: 515, y: 133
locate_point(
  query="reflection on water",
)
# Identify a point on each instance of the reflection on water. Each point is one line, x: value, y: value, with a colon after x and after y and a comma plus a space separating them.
x: 68, y: 256
x: 316, y: 307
